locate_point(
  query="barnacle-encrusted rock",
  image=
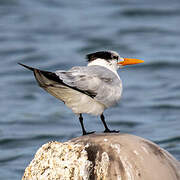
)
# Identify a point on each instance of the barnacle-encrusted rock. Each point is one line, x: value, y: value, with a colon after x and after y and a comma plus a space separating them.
x: 103, y: 157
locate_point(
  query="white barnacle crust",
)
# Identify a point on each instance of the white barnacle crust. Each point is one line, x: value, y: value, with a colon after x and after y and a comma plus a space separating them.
x: 59, y: 161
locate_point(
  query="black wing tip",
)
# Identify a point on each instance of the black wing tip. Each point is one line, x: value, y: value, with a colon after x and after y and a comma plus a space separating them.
x: 28, y: 67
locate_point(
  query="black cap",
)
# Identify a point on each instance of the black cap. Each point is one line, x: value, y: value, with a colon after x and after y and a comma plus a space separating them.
x: 107, y: 55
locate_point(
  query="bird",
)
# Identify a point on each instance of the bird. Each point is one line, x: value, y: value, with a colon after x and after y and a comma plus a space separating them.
x: 87, y: 89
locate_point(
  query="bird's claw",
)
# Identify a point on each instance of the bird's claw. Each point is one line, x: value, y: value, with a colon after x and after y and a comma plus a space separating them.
x: 110, y: 131
x: 86, y: 133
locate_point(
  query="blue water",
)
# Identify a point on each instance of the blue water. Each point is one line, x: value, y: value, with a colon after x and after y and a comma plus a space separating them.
x: 58, y: 34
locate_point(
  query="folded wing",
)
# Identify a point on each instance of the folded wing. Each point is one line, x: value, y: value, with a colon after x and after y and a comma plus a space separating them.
x: 96, y: 83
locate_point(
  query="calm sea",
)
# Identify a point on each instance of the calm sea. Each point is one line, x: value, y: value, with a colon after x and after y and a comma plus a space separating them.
x: 57, y: 34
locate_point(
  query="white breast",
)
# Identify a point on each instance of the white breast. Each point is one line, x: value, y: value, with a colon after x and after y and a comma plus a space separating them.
x: 77, y: 101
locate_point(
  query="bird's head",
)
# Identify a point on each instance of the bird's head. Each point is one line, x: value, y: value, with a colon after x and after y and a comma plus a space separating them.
x: 110, y: 58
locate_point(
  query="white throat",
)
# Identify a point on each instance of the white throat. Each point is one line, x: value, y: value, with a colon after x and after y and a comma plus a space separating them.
x: 104, y: 63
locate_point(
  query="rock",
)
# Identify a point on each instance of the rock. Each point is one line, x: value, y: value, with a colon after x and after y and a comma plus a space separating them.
x: 107, y: 156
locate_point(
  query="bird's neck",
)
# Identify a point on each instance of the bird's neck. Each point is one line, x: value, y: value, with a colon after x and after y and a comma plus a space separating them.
x: 104, y: 63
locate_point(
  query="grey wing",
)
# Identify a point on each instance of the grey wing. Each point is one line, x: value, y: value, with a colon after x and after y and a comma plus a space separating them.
x: 99, y: 83
x: 96, y: 82
x: 80, y: 79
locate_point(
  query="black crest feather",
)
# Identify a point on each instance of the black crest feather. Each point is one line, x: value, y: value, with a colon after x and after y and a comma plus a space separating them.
x: 100, y: 54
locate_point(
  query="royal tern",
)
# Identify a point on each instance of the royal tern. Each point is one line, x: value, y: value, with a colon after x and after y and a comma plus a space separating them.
x: 87, y: 89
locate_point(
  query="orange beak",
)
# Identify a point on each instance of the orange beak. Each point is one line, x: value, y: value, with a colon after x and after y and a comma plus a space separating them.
x: 129, y: 61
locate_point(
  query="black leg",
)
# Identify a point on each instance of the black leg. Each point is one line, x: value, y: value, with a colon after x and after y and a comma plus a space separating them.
x: 107, y: 130
x: 82, y: 126
x: 104, y: 123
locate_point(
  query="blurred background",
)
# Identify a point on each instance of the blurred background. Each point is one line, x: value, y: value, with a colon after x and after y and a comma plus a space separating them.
x: 57, y: 34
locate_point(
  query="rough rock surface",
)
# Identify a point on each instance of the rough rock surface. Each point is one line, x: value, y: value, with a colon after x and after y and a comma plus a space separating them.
x: 103, y: 157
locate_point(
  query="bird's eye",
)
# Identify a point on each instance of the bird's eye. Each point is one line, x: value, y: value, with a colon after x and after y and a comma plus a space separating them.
x: 115, y: 57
